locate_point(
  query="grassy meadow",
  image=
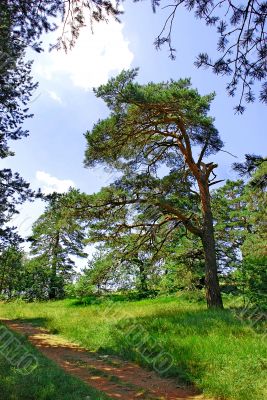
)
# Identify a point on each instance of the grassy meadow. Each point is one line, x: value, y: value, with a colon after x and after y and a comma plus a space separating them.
x: 223, y: 356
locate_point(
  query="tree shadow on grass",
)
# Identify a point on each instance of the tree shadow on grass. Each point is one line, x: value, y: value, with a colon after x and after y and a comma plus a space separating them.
x: 102, y: 299
x: 36, y: 321
x: 174, y: 343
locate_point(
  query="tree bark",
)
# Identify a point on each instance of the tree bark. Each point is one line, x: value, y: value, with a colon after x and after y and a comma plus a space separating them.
x: 2, y: 278
x: 213, y: 293
x: 53, y: 280
x: 143, y: 279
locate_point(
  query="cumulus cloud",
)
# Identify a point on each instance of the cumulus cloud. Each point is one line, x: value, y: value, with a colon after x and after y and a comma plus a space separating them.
x: 94, y: 58
x: 54, y: 96
x: 50, y: 184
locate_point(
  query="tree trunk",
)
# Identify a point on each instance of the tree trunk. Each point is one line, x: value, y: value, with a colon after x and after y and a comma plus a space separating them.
x: 213, y: 293
x: 143, y: 279
x: 52, y: 285
x: 53, y: 279
x: 2, y: 278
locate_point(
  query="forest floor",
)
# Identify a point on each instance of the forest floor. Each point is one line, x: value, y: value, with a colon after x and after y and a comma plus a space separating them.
x: 117, y: 378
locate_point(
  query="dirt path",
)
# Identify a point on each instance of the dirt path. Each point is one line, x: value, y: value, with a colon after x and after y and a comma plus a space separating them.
x: 115, y: 377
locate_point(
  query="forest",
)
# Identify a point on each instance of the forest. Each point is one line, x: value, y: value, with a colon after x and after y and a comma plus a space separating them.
x: 173, y: 254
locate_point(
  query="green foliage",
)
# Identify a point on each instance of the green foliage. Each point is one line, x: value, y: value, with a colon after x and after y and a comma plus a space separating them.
x: 11, y: 262
x: 183, y: 265
x: 16, y: 84
x: 132, y: 108
x: 232, y: 224
x: 112, y: 270
x: 16, y: 88
x: 13, y: 191
x: 254, y: 270
x: 35, y: 279
x: 252, y: 278
x: 240, y: 227
x: 54, y: 239
x: 98, y: 275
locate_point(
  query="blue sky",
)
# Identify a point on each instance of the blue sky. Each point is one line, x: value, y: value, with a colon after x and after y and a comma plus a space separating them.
x: 64, y: 106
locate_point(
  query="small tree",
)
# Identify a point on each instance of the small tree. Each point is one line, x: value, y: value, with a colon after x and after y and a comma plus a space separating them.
x: 152, y: 130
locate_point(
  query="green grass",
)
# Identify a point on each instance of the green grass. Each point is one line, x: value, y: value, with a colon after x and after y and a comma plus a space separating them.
x: 45, y: 382
x: 223, y: 356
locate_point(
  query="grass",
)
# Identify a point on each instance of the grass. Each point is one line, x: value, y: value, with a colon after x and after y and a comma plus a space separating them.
x: 45, y: 382
x: 224, y: 357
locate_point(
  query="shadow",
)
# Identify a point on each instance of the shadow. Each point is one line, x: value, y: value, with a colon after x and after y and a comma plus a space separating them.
x: 36, y: 322
x: 97, y: 300
x: 114, y: 298
x: 180, y: 344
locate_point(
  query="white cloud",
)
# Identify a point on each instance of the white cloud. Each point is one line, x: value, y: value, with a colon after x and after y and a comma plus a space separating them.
x: 94, y: 58
x: 28, y: 214
x: 54, y: 96
x: 50, y: 184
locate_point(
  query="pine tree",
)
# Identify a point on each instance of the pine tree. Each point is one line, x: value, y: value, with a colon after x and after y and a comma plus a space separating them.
x: 53, y: 241
x: 153, y: 128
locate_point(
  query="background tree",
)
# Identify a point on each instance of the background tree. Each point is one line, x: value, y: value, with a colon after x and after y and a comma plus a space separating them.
x: 16, y: 84
x: 232, y: 223
x: 134, y: 258
x: 11, y: 271
x: 35, y: 278
x: 101, y: 274
x: 253, y: 275
x: 254, y: 168
x: 240, y: 229
x: 13, y: 191
x: 16, y: 88
x: 54, y: 240
x: 155, y: 261
x: 151, y: 129
x: 110, y: 271
x: 183, y: 264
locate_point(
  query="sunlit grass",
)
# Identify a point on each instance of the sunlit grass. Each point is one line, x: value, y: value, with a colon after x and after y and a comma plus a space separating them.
x: 220, y: 354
